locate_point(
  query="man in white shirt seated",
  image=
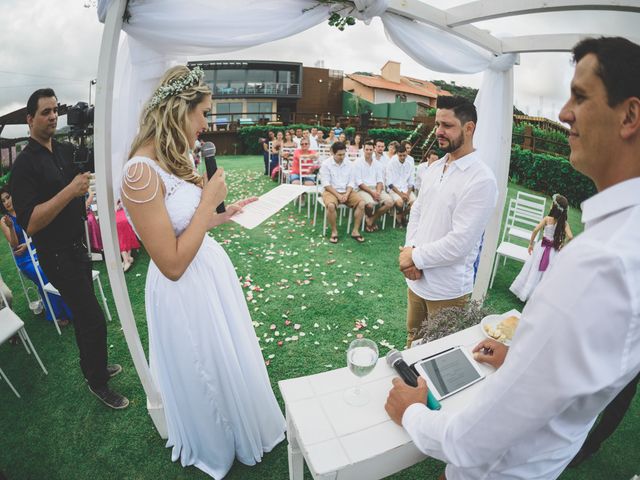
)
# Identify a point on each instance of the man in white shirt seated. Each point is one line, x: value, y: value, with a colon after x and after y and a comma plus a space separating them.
x: 408, y: 147
x: 429, y: 159
x: 379, y: 153
x: 400, y: 175
x: 576, y: 345
x: 369, y: 178
x: 337, y: 179
x: 313, y: 139
x: 298, y: 137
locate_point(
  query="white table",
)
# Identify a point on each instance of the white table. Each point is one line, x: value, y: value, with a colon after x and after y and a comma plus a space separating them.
x: 339, y: 441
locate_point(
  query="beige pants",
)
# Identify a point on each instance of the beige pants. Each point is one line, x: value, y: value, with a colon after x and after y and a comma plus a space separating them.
x: 419, y: 309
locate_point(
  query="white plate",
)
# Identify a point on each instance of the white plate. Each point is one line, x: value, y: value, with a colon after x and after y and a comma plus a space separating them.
x: 493, y: 320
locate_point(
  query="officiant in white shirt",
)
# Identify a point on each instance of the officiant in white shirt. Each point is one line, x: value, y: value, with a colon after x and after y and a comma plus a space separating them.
x: 576, y: 345
x: 448, y: 218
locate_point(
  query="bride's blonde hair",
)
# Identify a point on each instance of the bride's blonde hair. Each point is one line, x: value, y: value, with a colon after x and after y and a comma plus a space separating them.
x: 164, y: 121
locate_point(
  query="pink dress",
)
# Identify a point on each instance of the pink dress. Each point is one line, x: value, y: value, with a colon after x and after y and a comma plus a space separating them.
x: 94, y: 232
x: 126, y: 236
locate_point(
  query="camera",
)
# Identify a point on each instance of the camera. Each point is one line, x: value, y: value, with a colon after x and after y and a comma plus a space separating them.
x: 80, y: 121
x: 80, y: 116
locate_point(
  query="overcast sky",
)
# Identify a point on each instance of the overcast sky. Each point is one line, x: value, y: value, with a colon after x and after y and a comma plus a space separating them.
x: 56, y: 44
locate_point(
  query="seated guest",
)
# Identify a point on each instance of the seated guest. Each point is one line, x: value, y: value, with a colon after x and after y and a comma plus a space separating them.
x: 428, y: 159
x: 391, y: 149
x: 313, y: 139
x: 400, y: 177
x: 331, y: 138
x: 297, y: 137
x: 408, y: 147
x: 337, y: 180
x: 337, y: 130
x: 342, y: 138
x: 378, y: 152
x: 356, y: 144
x: 17, y: 240
x: 304, y: 152
x: 369, y: 178
x: 320, y: 138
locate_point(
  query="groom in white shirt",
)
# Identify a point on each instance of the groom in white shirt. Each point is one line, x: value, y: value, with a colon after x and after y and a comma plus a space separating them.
x: 576, y: 346
x: 448, y: 219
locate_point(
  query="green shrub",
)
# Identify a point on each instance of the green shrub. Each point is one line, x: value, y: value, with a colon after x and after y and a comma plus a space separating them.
x: 549, y: 174
x: 388, y: 134
x: 543, y: 139
x: 5, y: 178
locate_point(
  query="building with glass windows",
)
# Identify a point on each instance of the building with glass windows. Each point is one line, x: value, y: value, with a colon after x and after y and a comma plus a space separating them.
x: 246, y: 92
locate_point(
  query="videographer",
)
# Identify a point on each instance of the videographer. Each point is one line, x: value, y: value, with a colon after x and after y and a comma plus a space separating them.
x: 48, y: 196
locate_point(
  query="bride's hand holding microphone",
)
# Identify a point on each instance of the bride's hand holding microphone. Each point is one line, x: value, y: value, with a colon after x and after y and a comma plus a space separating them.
x: 214, y: 191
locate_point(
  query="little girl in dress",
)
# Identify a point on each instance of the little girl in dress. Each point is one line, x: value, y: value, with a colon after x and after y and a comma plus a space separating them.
x: 555, y: 230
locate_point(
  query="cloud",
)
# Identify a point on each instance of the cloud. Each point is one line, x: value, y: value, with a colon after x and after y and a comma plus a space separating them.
x: 57, y: 44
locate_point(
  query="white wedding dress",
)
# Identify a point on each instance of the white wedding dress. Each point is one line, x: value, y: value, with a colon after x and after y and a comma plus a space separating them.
x: 530, y: 275
x: 204, y: 355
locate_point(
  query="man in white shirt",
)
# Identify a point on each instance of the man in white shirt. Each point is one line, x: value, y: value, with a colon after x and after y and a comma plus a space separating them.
x: 338, y: 183
x: 408, y: 147
x: 447, y: 221
x: 297, y: 138
x: 429, y: 159
x: 576, y: 345
x: 313, y: 139
x: 400, y: 178
x: 369, y: 178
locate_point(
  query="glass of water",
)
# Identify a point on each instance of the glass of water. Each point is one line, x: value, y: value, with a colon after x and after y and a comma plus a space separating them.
x: 362, y: 357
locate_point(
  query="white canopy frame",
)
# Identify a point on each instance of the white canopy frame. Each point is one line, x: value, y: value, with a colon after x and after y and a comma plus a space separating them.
x: 496, y: 56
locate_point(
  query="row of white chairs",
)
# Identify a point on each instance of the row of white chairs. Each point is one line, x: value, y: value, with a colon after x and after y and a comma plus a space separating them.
x: 48, y: 289
x: 10, y: 325
x: 525, y: 212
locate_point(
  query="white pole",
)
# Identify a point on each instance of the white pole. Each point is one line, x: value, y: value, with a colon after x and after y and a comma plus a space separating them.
x: 104, y: 190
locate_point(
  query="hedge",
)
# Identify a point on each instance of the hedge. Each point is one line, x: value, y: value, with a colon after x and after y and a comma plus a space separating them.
x: 249, y: 135
x: 549, y: 174
x: 388, y: 134
x: 541, y: 136
x: 5, y: 178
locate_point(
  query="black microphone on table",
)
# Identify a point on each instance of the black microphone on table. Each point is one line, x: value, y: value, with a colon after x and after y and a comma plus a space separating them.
x: 209, y: 153
x: 395, y: 361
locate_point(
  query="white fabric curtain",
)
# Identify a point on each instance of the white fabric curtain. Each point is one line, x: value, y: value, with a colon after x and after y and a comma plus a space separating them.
x: 161, y: 33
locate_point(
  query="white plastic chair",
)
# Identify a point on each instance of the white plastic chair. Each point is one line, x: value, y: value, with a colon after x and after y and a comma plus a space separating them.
x: 508, y: 250
x: 49, y: 289
x: 25, y: 289
x: 10, y: 324
x: 339, y: 211
x: 285, y: 163
x: 520, y: 222
x: 306, y: 165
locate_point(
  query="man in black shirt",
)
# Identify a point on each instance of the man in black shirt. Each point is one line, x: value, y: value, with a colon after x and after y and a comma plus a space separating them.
x: 48, y: 196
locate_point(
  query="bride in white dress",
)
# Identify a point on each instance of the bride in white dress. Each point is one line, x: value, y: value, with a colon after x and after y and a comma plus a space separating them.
x: 203, y: 352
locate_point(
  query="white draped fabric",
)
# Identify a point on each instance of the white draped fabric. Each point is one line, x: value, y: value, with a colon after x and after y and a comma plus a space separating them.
x: 162, y: 33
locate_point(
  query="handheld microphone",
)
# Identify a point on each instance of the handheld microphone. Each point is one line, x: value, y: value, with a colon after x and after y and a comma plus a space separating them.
x: 209, y: 152
x: 394, y: 360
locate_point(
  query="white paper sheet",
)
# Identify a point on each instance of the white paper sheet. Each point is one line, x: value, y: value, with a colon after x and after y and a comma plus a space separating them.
x: 271, y: 202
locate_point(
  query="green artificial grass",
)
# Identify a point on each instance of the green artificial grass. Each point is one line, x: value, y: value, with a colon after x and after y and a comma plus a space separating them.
x: 302, y: 291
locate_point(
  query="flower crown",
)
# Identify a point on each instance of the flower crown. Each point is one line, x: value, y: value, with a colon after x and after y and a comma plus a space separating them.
x: 555, y: 202
x: 176, y: 87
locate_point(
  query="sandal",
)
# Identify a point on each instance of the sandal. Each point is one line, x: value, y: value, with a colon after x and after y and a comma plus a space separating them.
x: 358, y: 238
x: 333, y: 239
